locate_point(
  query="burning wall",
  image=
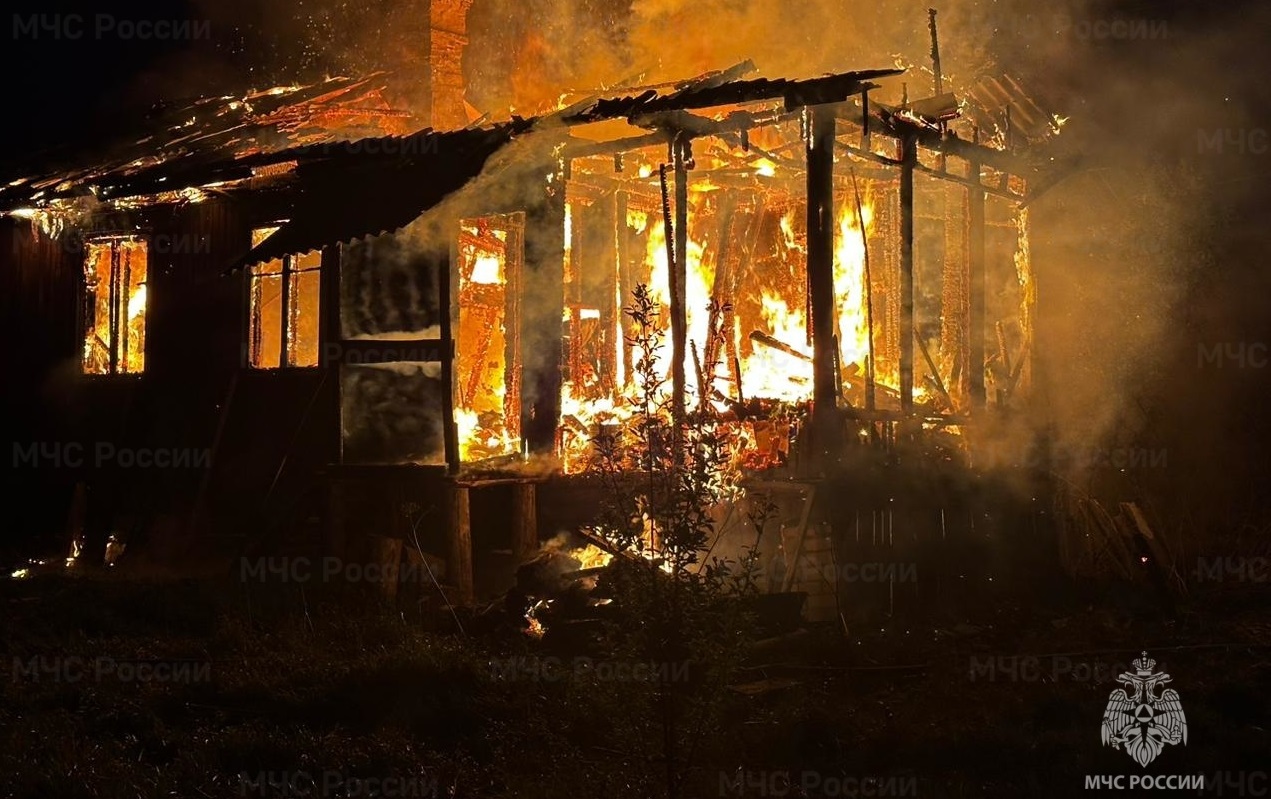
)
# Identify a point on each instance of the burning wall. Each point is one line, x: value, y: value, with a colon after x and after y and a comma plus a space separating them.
x: 746, y: 272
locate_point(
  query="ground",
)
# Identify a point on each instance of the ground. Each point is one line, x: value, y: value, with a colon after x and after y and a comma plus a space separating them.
x: 127, y: 687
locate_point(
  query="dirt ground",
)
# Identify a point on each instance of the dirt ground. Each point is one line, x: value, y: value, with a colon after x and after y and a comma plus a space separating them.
x: 129, y: 687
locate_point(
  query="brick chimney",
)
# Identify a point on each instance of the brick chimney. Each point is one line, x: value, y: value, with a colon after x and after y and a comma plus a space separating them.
x: 448, y: 35
x: 423, y: 50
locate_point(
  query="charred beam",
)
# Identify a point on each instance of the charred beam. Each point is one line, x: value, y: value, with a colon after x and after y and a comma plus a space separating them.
x: 820, y: 160
x: 909, y: 157
x: 760, y: 337
x: 525, y: 521
x: 817, y: 91
x: 459, y: 544
x: 449, y: 321
x: 679, y: 277
x: 975, y: 337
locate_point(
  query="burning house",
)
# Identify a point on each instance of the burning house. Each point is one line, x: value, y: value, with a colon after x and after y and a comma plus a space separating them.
x: 401, y: 333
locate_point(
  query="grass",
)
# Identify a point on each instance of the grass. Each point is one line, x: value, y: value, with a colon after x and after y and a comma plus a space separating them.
x: 337, y: 689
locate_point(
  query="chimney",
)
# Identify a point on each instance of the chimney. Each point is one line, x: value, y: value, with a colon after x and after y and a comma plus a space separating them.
x: 448, y: 36
x: 423, y: 51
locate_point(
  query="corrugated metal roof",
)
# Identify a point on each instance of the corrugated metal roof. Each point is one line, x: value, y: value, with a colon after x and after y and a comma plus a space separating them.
x: 351, y: 197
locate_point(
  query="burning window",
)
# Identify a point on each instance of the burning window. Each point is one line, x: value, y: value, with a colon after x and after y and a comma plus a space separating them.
x: 487, y: 396
x: 283, y: 330
x: 115, y: 283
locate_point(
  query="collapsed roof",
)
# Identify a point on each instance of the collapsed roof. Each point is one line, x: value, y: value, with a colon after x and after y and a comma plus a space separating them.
x: 339, y: 150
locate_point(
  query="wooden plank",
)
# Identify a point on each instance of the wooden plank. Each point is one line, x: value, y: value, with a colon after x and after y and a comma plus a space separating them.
x: 524, y: 521
x: 386, y: 553
x: 459, y: 549
x: 792, y: 563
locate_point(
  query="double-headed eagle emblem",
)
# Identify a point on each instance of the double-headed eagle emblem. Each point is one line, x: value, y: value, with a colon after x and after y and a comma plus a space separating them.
x: 1143, y: 722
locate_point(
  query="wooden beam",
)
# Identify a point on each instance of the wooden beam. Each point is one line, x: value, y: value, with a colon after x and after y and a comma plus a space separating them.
x: 678, y: 278
x: 459, y: 548
x: 524, y: 521
x: 975, y: 336
x: 909, y: 157
x: 821, y: 224
x: 449, y: 319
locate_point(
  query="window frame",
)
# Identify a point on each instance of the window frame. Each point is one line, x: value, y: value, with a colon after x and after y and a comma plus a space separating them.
x: 288, y: 273
x: 118, y: 308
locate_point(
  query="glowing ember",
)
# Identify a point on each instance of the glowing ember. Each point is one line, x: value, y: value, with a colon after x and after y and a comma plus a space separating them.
x: 137, y: 303
x: 591, y: 557
x: 488, y: 270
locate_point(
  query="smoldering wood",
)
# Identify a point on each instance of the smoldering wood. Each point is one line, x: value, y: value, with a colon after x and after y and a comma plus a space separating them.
x: 609, y: 284
x: 721, y: 286
x: 955, y: 294
x: 760, y: 337
x: 794, y: 93
x: 870, y: 375
x: 513, y: 265
x: 933, y: 369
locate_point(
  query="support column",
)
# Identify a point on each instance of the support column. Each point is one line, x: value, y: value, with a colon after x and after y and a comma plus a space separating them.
x: 679, y: 277
x: 449, y: 322
x: 459, y: 545
x: 329, y: 334
x: 524, y: 521
x: 821, y: 223
x: 909, y: 159
x: 975, y: 335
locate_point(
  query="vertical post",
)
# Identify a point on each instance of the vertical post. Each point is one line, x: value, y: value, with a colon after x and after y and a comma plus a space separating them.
x: 329, y: 301
x: 542, y: 308
x: 820, y: 161
x: 513, y: 261
x: 866, y: 139
x: 449, y: 313
x: 679, y: 276
x: 524, y: 521
x: 329, y: 335
x: 625, y: 285
x: 908, y: 159
x: 114, y: 307
x: 975, y: 336
x: 284, y: 313
x: 610, y: 313
x: 459, y: 549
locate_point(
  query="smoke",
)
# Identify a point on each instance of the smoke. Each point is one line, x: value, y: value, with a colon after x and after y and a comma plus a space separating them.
x: 1121, y: 248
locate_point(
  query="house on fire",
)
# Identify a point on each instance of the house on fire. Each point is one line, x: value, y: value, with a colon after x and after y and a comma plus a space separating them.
x: 287, y: 315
